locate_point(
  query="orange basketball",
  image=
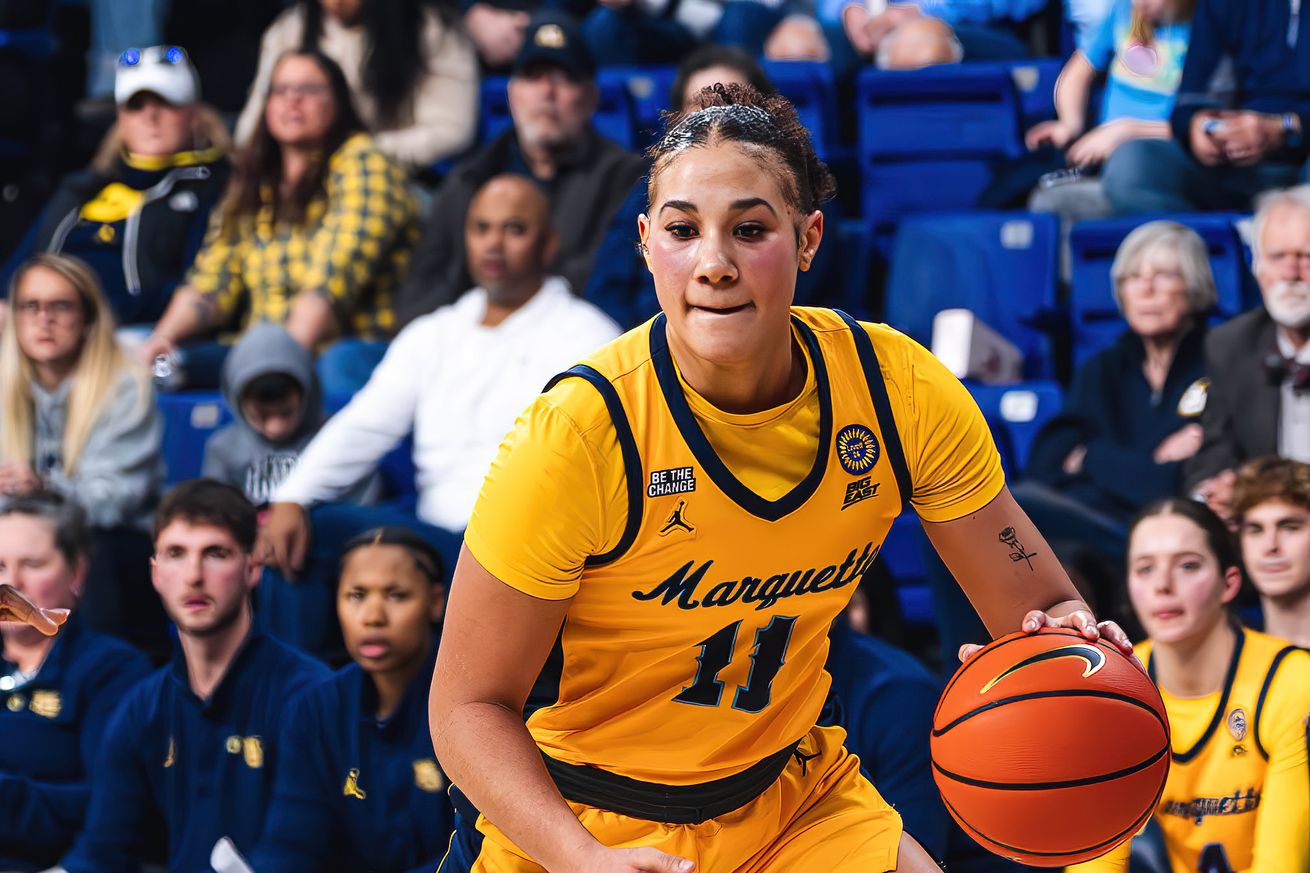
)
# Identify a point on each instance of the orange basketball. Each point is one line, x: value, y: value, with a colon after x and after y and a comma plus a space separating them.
x: 1050, y: 749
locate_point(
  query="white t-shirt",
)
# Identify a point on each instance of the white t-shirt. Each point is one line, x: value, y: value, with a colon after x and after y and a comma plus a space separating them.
x: 459, y: 386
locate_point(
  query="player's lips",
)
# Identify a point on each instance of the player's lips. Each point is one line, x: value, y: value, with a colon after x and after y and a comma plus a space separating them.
x: 722, y: 310
x: 374, y: 647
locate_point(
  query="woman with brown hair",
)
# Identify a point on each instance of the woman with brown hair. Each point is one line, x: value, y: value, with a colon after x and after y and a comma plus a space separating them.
x: 314, y: 233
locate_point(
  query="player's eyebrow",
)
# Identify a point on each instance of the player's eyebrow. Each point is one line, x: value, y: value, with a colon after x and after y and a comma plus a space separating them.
x: 684, y: 205
x: 736, y: 205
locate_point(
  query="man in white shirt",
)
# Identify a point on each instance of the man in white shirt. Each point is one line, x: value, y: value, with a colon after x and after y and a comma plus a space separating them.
x: 456, y: 378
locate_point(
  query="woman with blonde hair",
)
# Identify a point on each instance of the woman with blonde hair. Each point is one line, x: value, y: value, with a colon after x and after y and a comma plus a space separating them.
x: 77, y: 417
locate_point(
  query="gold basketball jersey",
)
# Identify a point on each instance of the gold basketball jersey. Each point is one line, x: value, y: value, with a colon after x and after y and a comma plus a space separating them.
x: 1217, y: 786
x: 696, y: 646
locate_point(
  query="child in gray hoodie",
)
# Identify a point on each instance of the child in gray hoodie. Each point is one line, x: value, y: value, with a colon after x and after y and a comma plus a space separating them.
x: 271, y: 387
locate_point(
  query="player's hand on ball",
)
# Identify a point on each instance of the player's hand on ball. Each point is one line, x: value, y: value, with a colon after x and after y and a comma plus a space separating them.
x: 644, y: 860
x: 1080, y: 620
x: 15, y: 607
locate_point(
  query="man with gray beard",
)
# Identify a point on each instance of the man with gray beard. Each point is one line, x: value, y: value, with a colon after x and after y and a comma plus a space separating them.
x: 1259, y: 363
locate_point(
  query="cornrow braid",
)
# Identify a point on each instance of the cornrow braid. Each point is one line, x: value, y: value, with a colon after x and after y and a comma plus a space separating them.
x: 741, y: 114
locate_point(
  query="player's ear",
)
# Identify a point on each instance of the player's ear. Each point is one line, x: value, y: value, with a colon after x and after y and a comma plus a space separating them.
x: 643, y: 234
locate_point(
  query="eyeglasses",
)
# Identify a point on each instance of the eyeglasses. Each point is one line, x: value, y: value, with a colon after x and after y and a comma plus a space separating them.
x: 298, y: 89
x: 58, y: 310
x: 168, y: 54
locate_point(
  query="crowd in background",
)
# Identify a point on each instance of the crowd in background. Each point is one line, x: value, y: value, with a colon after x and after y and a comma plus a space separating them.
x: 293, y: 203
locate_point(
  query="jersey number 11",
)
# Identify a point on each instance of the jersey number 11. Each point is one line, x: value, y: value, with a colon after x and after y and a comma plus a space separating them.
x: 767, y: 659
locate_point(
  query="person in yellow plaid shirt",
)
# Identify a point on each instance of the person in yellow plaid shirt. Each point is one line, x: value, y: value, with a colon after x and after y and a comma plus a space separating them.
x: 315, y: 244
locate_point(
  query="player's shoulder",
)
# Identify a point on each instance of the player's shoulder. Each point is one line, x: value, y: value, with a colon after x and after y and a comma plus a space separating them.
x: 619, y: 364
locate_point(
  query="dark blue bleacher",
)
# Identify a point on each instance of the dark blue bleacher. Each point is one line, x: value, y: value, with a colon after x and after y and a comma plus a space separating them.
x: 614, y: 117
x: 927, y: 138
x: 1002, y: 266
x: 810, y: 87
x: 648, y: 93
x: 1095, y: 316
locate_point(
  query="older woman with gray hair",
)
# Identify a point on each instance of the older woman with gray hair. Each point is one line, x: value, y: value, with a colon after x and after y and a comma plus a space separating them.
x: 1132, y: 413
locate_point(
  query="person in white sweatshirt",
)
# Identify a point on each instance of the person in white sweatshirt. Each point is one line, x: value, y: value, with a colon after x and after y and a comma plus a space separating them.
x: 456, y: 379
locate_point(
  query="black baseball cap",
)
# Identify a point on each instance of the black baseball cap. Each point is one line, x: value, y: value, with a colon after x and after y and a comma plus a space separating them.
x: 556, y: 39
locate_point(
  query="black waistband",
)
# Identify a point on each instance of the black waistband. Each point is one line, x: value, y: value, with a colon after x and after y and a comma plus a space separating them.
x: 670, y: 804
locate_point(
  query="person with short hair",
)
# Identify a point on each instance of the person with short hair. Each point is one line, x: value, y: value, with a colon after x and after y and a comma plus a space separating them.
x: 455, y: 379
x: 552, y: 141
x: 57, y: 693
x: 314, y: 234
x: 1235, y: 798
x: 358, y: 787
x: 138, y: 213
x: 1259, y: 362
x: 1271, y: 505
x: 191, y: 753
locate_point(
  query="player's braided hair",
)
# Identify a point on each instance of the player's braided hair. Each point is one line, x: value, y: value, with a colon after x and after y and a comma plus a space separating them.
x: 741, y: 114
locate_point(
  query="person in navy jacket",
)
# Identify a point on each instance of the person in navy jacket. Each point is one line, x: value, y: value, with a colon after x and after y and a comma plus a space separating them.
x: 57, y: 693
x: 191, y: 753
x: 358, y: 786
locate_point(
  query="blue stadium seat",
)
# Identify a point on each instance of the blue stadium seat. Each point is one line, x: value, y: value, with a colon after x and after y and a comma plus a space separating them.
x: 927, y: 138
x: 810, y: 87
x: 1035, y: 81
x: 1016, y: 413
x: 1096, y: 318
x: 190, y: 419
x: 648, y: 91
x: 853, y: 235
x: 902, y: 553
x: 1002, y: 266
x: 614, y: 113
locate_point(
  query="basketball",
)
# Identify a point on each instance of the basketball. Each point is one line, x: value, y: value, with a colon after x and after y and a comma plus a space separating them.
x: 1050, y: 749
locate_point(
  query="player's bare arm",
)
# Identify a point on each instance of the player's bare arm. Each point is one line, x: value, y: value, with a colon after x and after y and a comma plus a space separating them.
x: 14, y: 606
x: 1011, y: 575
x: 493, y: 645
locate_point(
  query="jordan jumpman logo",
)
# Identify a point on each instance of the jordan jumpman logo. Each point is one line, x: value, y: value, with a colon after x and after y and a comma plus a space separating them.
x: 676, y: 520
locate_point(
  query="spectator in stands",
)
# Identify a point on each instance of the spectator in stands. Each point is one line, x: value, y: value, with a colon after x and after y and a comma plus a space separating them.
x: 192, y: 751
x: 552, y: 97
x: 78, y: 418
x: 1271, y: 504
x: 1085, y: 18
x: 715, y: 63
x: 138, y: 213
x: 314, y: 233
x: 1259, y: 362
x: 270, y: 386
x: 413, y: 73
x: 663, y: 31
x: 1130, y: 417
x: 871, y: 678
x: 1140, y: 49
x: 959, y: 30
x: 1227, y: 146
x: 368, y: 725
x: 497, y: 28
x: 1236, y: 701
x: 456, y: 379
x: 57, y: 693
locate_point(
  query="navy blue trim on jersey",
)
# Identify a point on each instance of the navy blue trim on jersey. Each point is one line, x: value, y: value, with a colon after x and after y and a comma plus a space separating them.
x: 1185, y: 757
x: 694, y: 437
x: 632, y: 469
x: 1264, y: 692
x: 882, y: 406
x: 466, y: 841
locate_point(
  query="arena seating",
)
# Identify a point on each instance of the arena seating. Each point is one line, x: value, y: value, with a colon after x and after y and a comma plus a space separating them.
x: 1002, y: 266
x: 615, y: 117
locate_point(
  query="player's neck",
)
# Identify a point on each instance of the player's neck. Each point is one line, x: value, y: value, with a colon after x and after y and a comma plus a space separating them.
x: 744, y: 387
x: 1195, y: 667
x: 1288, y: 617
x: 208, y: 657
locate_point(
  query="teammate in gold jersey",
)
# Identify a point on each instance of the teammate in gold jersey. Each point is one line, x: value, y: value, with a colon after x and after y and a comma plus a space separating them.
x: 683, y: 516
x: 1236, y: 800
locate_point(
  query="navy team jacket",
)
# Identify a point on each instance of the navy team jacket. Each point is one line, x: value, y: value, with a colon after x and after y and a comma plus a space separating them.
x: 355, y: 794
x: 180, y: 772
x: 50, y: 729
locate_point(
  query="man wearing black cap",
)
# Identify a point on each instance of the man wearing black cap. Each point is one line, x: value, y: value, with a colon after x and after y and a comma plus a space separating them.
x: 552, y: 97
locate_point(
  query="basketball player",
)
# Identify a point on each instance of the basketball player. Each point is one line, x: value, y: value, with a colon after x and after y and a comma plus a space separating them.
x: 1236, y: 797
x: 687, y: 513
